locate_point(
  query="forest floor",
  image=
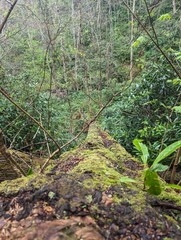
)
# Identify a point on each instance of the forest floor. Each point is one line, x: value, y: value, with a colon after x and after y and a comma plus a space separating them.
x: 73, y: 202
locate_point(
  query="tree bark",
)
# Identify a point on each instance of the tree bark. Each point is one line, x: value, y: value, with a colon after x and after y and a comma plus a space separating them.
x: 174, y: 6
x: 7, y: 170
x: 131, y: 41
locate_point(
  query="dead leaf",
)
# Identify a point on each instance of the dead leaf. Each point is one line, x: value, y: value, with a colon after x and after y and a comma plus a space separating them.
x: 88, y: 233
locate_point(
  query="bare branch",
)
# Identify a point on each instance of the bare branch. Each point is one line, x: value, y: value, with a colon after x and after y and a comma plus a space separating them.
x: 85, y: 126
x: 6, y: 95
x: 153, y: 40
x: 7, y: 16
x: 151, y: 23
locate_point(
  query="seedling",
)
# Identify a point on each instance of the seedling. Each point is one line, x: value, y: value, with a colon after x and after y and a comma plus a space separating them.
x: 152, y: 182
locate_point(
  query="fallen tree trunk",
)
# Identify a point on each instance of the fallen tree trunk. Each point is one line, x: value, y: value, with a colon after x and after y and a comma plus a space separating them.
x: 87, y: 195
x: 7, y: 170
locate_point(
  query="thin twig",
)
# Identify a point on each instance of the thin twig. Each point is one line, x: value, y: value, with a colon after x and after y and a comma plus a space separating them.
x: 151, y: 23
x: 166, y: 205
x: 153, y: 40
x: 85, y: 126
x: 7, y: 16
x: 6, y: 95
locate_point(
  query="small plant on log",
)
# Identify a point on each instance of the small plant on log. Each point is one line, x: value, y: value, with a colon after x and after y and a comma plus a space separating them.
x: 152, y: 182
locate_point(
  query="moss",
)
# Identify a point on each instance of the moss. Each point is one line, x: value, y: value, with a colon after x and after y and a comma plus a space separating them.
x: 170, y: 195
x: 33, y: 181
x: 102, y: 176
x: 170, y: 219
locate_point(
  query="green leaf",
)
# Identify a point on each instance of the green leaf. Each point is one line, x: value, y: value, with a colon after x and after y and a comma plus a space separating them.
x: 136, y: 143
x: 173, y: 186
x: 138, y: 41
x: 155, y: 189
x: 176, y: 81
x: 152, y: 182
x: 166, y: 152
x: 143, y: 149
x: 126, y: 179
x: 30, y: 172
x: 165, y: 16
x: 177, y: 109
x: 159, y: 168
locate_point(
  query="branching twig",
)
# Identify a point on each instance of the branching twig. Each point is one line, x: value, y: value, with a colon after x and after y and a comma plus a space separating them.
x: 175, y: 165
x: 7, y: 16
x: 84, y: 128
x: 153, y: 29
x: 6, y: 95
x: 166, y: 205
x: 153, y: 40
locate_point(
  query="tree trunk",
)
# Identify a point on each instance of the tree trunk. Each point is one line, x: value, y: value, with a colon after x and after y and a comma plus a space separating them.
x: 7, y: 170
x: 87, y: 194
x: 174, y: 6
x: 131, y: 41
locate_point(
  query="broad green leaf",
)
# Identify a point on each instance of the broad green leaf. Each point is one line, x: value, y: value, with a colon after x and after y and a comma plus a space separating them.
x: 159, y: 168
x: 138, y: 41
x: 177, y: 109
x: 148, y: 177
x: 152, y: 182
x: 164, y: 17
x: 143, y: 149
x: 126, y: 179
x: 145, y: 155
x: 173, y: 186
x: 155, y: 189
x: 166, y: 152
x: 178, y: 58
x: 136, y: 143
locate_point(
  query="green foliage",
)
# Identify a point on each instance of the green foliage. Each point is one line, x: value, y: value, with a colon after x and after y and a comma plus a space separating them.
x: 30, y: 137
x: 152, y: 182
x: 127, y: 180
x: 142, y: 148
x: 165, y: 16
x: 174, y: 186
x: 138, y: 41
x: 166, y: 152
x: 30, y: 172
x: 177, y: 109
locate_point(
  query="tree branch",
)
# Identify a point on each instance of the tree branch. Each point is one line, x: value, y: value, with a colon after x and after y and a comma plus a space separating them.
x: 7, y: 16
x: 153, y: 40
x: 6, y: 95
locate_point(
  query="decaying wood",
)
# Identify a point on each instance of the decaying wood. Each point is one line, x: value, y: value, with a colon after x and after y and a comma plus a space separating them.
x: 7, y: 170
x: 13, y: 164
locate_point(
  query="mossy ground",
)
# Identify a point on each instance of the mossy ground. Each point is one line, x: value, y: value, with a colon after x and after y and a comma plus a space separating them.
x: 85, y: 182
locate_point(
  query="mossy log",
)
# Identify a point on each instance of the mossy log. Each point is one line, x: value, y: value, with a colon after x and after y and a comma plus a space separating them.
x: 14, y: 164
x: 85, y: 195
x: 7, y: 170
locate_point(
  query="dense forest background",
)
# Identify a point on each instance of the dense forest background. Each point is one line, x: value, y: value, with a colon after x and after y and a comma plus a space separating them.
x: 65, y: 60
